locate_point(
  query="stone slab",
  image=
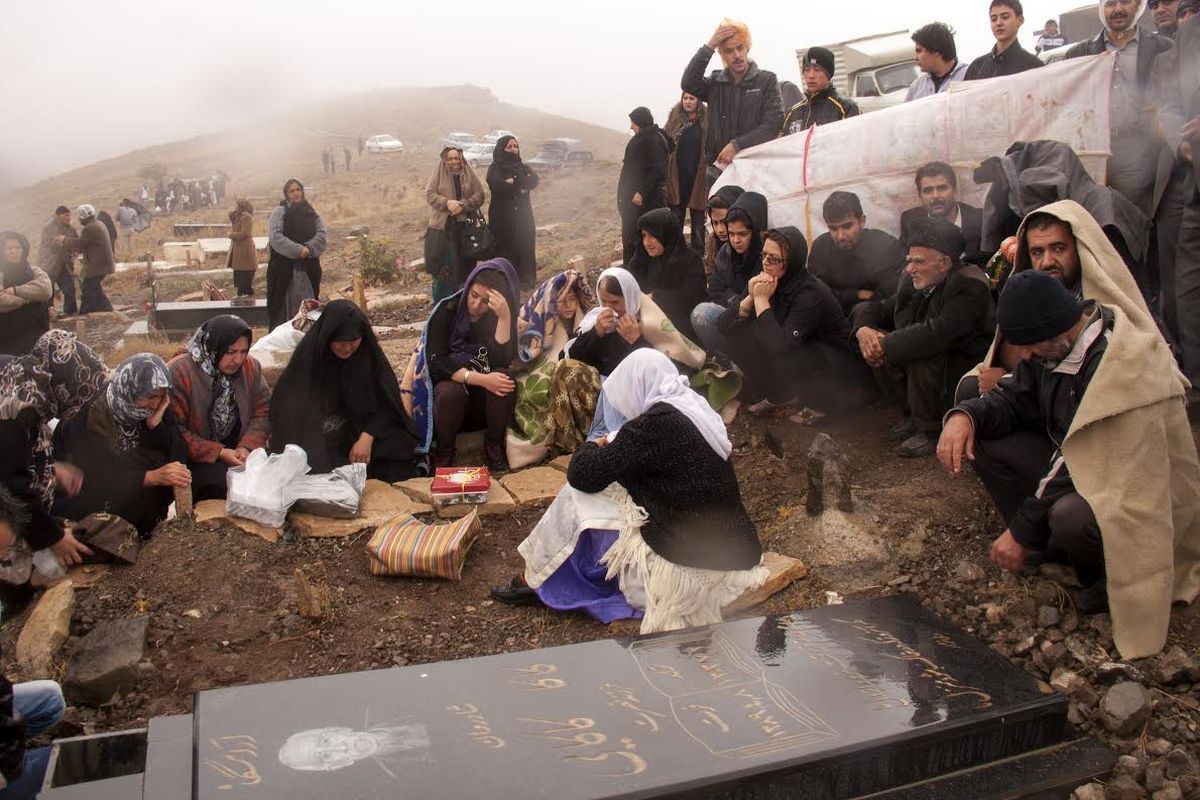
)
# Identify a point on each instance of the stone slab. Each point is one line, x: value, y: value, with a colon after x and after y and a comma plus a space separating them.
x: 784, y: 572
x: 189, y: 316
x: 381, y: 502
x: 128, y: 787
x: 562, y: 463
x: 219, y: 245
x: 536, y: 486
x: 213, y: 511
x: 499, y: 502
x: 100, y: 766
x: 168, y: 773
x: 46, y: 631
x: 107, y: 660
x: 833, y: 702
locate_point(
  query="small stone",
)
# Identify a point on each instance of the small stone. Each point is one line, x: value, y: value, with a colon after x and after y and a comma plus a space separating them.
x: 107, y: 660
x: 1125, y: 708
x: 1158, y: 747
x: 1175, y: 666
x: 194, y: 613
x: 899, y: 581
x: 1025, y: 645
x: 1129, y: 765
x: 1054, y: 653
x: 993, y: 612
x: 829, y: 477
x: 1064, y: 681
x: 969, y: 572
x: 1115, y: 670
x: 1089, y: 791
x: 1048, y: 616
x: 1021, y: 608
x: 1155, y: 777
x: 1170, y: 791
x: 46, y: 630
x: 1046, y: 594
x: 1178, y: 763
x: 1123, y: 787
x: 534, y: 487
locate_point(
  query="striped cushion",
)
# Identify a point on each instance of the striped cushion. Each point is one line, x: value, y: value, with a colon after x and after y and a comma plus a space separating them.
x: 407, y: 546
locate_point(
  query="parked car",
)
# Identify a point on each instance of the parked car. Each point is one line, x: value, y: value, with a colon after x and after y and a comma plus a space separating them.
x: 384, y: 143
x: 491, y: 137
x: 459, y: 140
x: 479, y: 155
x: 559, y: 153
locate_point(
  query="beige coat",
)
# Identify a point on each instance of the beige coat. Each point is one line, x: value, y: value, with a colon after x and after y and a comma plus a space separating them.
x: 1130, y: 451
x: 38, y: 290
x: 440, y: 191
x: 242, y: 254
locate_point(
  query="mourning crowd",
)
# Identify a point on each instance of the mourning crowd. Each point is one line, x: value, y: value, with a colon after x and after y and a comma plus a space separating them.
x: 1060, y: 368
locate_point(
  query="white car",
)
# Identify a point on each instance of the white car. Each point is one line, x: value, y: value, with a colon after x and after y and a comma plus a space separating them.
x: 460, y: 140
x: 479, y: 155
x: 491, y: 137
x: 384, y: 143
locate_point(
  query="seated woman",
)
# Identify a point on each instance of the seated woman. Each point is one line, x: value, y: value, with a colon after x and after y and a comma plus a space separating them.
x: 612, y: 330
x: 24, y: 297
x: 469, y: 344
x: 717, y: 208
x: 126, y: 442
x: 219, y: 395
x: 668, y: 269
x: 555, y: 398
x: 738, y: 260
x: 651, y: 523
x: 789, y: 336
x: 57, y: 378
x: 338, y: 399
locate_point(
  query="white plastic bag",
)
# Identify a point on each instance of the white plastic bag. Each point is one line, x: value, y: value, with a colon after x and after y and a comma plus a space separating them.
x: 276, y: 348
x: 258, y: 491
x: 335, y: 494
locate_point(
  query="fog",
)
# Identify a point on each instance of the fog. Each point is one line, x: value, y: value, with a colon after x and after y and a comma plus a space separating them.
x: 87, y: 81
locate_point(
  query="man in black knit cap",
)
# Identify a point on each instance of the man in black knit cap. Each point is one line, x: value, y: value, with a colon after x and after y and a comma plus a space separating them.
x: 821, y: 104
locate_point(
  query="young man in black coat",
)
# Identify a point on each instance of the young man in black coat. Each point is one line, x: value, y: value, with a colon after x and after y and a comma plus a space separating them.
x: 642, y: 186
x: 1007, y: 57
x: 858, y: 263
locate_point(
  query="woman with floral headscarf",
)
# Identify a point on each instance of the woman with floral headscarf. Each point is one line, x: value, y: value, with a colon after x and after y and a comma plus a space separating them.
x: 222, y: 401
x: 127, y: 443
x: 54, y: 380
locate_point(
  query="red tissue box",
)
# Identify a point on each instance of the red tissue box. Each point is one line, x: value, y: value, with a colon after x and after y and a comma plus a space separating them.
x: 453, y: 485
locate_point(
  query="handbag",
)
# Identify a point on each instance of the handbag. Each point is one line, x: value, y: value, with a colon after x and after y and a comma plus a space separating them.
x: 407, y: 546
x: 476, y: 240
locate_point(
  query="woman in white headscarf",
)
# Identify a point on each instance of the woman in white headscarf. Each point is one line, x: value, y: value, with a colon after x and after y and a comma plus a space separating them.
x: 651, y: 523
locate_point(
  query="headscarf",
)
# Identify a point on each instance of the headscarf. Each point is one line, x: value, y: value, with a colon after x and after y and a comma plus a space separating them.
x: 244, y: 206
x: 748, y: 264
x: 797, y: 256
x: 55, y: 379
x: 729, y: 193
x: 539, y: 316
x: 646, y: 377
x: 1137, y: 15
x: 21, y: 272
x: 133, y: 379
x: 503, y: 157
x: 85, y: 212
x: 299, y: 219
x: 629, y: 290
x: 677, y: 270
x: 207, y: 347
x: 461, y: 349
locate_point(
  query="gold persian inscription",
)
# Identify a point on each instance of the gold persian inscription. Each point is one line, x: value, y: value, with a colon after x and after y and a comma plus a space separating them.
x: 480, y: 730
x: 576, y: 735
x: 930, y: 669
x: 532, y: 683
x: 624, y: 697
x: 235, y: 761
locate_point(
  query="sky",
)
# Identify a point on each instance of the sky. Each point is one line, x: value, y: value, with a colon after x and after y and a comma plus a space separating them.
x: 86, y: 80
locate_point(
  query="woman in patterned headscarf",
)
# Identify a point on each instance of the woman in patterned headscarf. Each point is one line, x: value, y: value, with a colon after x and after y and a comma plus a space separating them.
x: 222, y: 402
x: 53, y: 381
x: 127, y: 443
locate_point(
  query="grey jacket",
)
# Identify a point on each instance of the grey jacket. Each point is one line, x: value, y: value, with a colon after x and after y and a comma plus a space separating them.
x: 923, y: 85
x: 746, y: 113
x: 285, y: 246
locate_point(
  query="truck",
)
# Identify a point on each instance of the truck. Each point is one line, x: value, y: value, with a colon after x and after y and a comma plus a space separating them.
x: 875, y: 71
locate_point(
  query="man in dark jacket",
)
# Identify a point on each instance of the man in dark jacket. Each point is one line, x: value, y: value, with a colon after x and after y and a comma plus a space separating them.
x: 642, y: 186
x: 821, y: 104
x: 54, y: 256
x: 920, y: 342
x: 1007, y: 57
x: 96, y: 245
x: 858, y: 263
x: 937, y: 186
x: 27, y: 709
x: 744, y: 105
x: 1165, y: 21
x: 1012, y: 432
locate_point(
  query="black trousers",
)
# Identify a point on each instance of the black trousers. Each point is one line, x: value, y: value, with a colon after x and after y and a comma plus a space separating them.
x: 697, y: 215
x: 458, y: 408
x: 919, y: 389
x: 1181, y: 285
x: 92, y: 297
x: 243, y: 281
x: 630, y: 234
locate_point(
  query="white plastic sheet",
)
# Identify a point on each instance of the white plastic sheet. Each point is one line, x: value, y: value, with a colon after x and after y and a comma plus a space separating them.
x: 336, y: 494
x: 258, y: 491
x: 877, y: 155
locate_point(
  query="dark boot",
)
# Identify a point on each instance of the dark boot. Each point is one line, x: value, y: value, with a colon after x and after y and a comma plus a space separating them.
x: 496, y: 457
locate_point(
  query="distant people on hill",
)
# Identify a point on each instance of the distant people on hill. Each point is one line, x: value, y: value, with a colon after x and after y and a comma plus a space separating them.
x: 109, y: 225
x: 346, y: 155
x: 1050, y: 38
x: 642, y: 185
x: 127, y: 217
x: 56, y: 258
x: 243, y: 256
x: 937, y: 58
x: 744, y: 104
x: 1007, y: 57
x: 95, y: 244
x: 360, y: 144
x: 687, y: 185
x: 296, y: 237
x: 510, y: 213
x: 24, y: 297
x: 454, y: 194
x: 325, y: 161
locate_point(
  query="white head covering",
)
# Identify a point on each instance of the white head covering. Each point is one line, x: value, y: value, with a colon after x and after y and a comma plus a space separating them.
x: 1137, y: 15
x: 629, y: 289
x: 646, y: 377
x: 85, y: 211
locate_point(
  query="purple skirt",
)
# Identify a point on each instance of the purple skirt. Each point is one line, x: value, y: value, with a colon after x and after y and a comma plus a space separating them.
x: 579, y: 584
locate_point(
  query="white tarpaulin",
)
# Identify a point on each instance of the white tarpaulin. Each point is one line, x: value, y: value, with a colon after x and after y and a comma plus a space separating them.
x: 876, y: 155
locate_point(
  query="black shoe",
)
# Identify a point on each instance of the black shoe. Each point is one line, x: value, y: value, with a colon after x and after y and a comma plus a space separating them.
x: 496, y: 458
x: 918, y: 445
x: 1092, y: 599
x: 902, y: 430
x: 516, y: 594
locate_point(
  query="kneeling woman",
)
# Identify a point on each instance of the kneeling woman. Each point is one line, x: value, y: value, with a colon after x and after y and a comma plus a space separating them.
x: 221, y: 399
x: 339, y: 400
x: 127, y: 444
x: 651, y: 523
x: 789, y: 336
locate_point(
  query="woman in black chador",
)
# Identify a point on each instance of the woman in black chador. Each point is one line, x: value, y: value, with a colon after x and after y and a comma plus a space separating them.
x: 339, y: 400
x: 510, y: 214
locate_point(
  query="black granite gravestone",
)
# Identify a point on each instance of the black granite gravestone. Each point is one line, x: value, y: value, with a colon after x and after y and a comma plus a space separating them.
x: 830, y: 703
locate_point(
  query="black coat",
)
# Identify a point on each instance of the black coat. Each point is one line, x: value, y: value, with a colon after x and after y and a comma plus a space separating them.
x: 675, y: 280
x: 972, y: 230
x: 483, y: 334
x: 821, y: 108
x: 747, y: 113
x: 510, y: 216
x: 1014, y: 60
x: 874, y: 264
x: 603, y: 352
x: 17, y: 439
x: 731, y: 271
x: 644, y: 170
x: 696, y: 515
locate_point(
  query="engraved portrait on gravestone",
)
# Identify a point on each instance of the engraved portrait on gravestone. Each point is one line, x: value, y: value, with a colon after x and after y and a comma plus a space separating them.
x: 333, y: 748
